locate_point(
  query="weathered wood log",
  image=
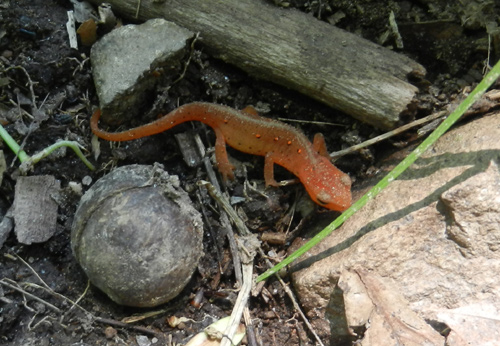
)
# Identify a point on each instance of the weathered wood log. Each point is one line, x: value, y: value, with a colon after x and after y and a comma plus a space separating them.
x: 295, y: 50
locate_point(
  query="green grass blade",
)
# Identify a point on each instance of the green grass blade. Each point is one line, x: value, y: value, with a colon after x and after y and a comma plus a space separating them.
x: 28, y: 161
x: 70, y: 144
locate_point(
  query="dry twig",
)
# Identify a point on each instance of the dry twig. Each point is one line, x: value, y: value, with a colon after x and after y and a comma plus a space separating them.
x: 243, y: 230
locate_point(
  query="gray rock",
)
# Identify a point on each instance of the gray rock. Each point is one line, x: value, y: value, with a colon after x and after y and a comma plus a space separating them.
x: 124, y: 60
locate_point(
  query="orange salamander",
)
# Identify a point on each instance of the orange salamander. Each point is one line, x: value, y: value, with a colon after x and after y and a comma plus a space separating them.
x: 250, y: 133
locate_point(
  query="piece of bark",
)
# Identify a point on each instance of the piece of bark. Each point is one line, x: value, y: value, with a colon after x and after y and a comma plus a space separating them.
x: 274, y: 238
x: 295, y: 50
x: 35, y: 211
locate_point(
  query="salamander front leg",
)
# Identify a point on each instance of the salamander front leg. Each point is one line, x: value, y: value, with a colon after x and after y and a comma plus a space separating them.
x: 223, y: 164
x: 319, y: 145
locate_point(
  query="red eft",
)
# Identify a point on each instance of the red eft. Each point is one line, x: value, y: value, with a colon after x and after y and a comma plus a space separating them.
x: 248, y: 132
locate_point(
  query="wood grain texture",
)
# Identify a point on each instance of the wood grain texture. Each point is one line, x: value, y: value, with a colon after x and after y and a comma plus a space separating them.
x: 295, y: 50
x: 35, y: 208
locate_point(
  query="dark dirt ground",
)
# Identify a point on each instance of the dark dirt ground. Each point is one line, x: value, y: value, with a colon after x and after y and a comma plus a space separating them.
x: 451, y: 41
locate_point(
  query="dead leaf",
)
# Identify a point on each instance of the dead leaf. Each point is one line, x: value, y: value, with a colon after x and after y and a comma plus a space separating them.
x: 476, y: 324
x: 213, y: 333
x: 96, y: 146
x: 391, y: 321
x: 88, y: 32
x: 83, y: 11
x: 357, y: 302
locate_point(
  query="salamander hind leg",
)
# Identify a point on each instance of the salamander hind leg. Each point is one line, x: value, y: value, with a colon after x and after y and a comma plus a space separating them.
x: 250, y: 110
x: 269, y: 170
x: 223, y: 164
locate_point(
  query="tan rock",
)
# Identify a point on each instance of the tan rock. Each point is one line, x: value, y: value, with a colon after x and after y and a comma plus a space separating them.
x: 434, y: 233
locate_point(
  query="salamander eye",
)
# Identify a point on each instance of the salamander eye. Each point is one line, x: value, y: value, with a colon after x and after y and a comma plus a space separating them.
x: 321, y: 202
x: 323, y: 198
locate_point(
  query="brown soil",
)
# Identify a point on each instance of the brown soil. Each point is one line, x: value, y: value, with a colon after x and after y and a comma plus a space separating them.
x: 451, y: 42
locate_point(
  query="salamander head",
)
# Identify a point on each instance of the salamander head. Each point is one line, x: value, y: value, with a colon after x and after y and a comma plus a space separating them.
x: 328, y: 186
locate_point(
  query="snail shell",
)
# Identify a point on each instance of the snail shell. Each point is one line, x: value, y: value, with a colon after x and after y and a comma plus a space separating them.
x: 137, y: 236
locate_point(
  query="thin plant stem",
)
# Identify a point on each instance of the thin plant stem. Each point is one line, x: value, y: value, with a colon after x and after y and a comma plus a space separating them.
x: 12, y: 144
x: 28, y: 161
x: 70, y: 144
x: 475, y: 95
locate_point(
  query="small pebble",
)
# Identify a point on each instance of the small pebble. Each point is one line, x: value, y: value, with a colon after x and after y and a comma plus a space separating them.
x: 87, y: 180
x: 75, y: 187
x: 110, y: 332
x: 269, y: 315
x: 7, y: 54
x: 142, y: 340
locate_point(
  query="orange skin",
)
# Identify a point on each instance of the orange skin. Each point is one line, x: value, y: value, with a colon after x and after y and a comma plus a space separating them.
x: 250, y: 133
